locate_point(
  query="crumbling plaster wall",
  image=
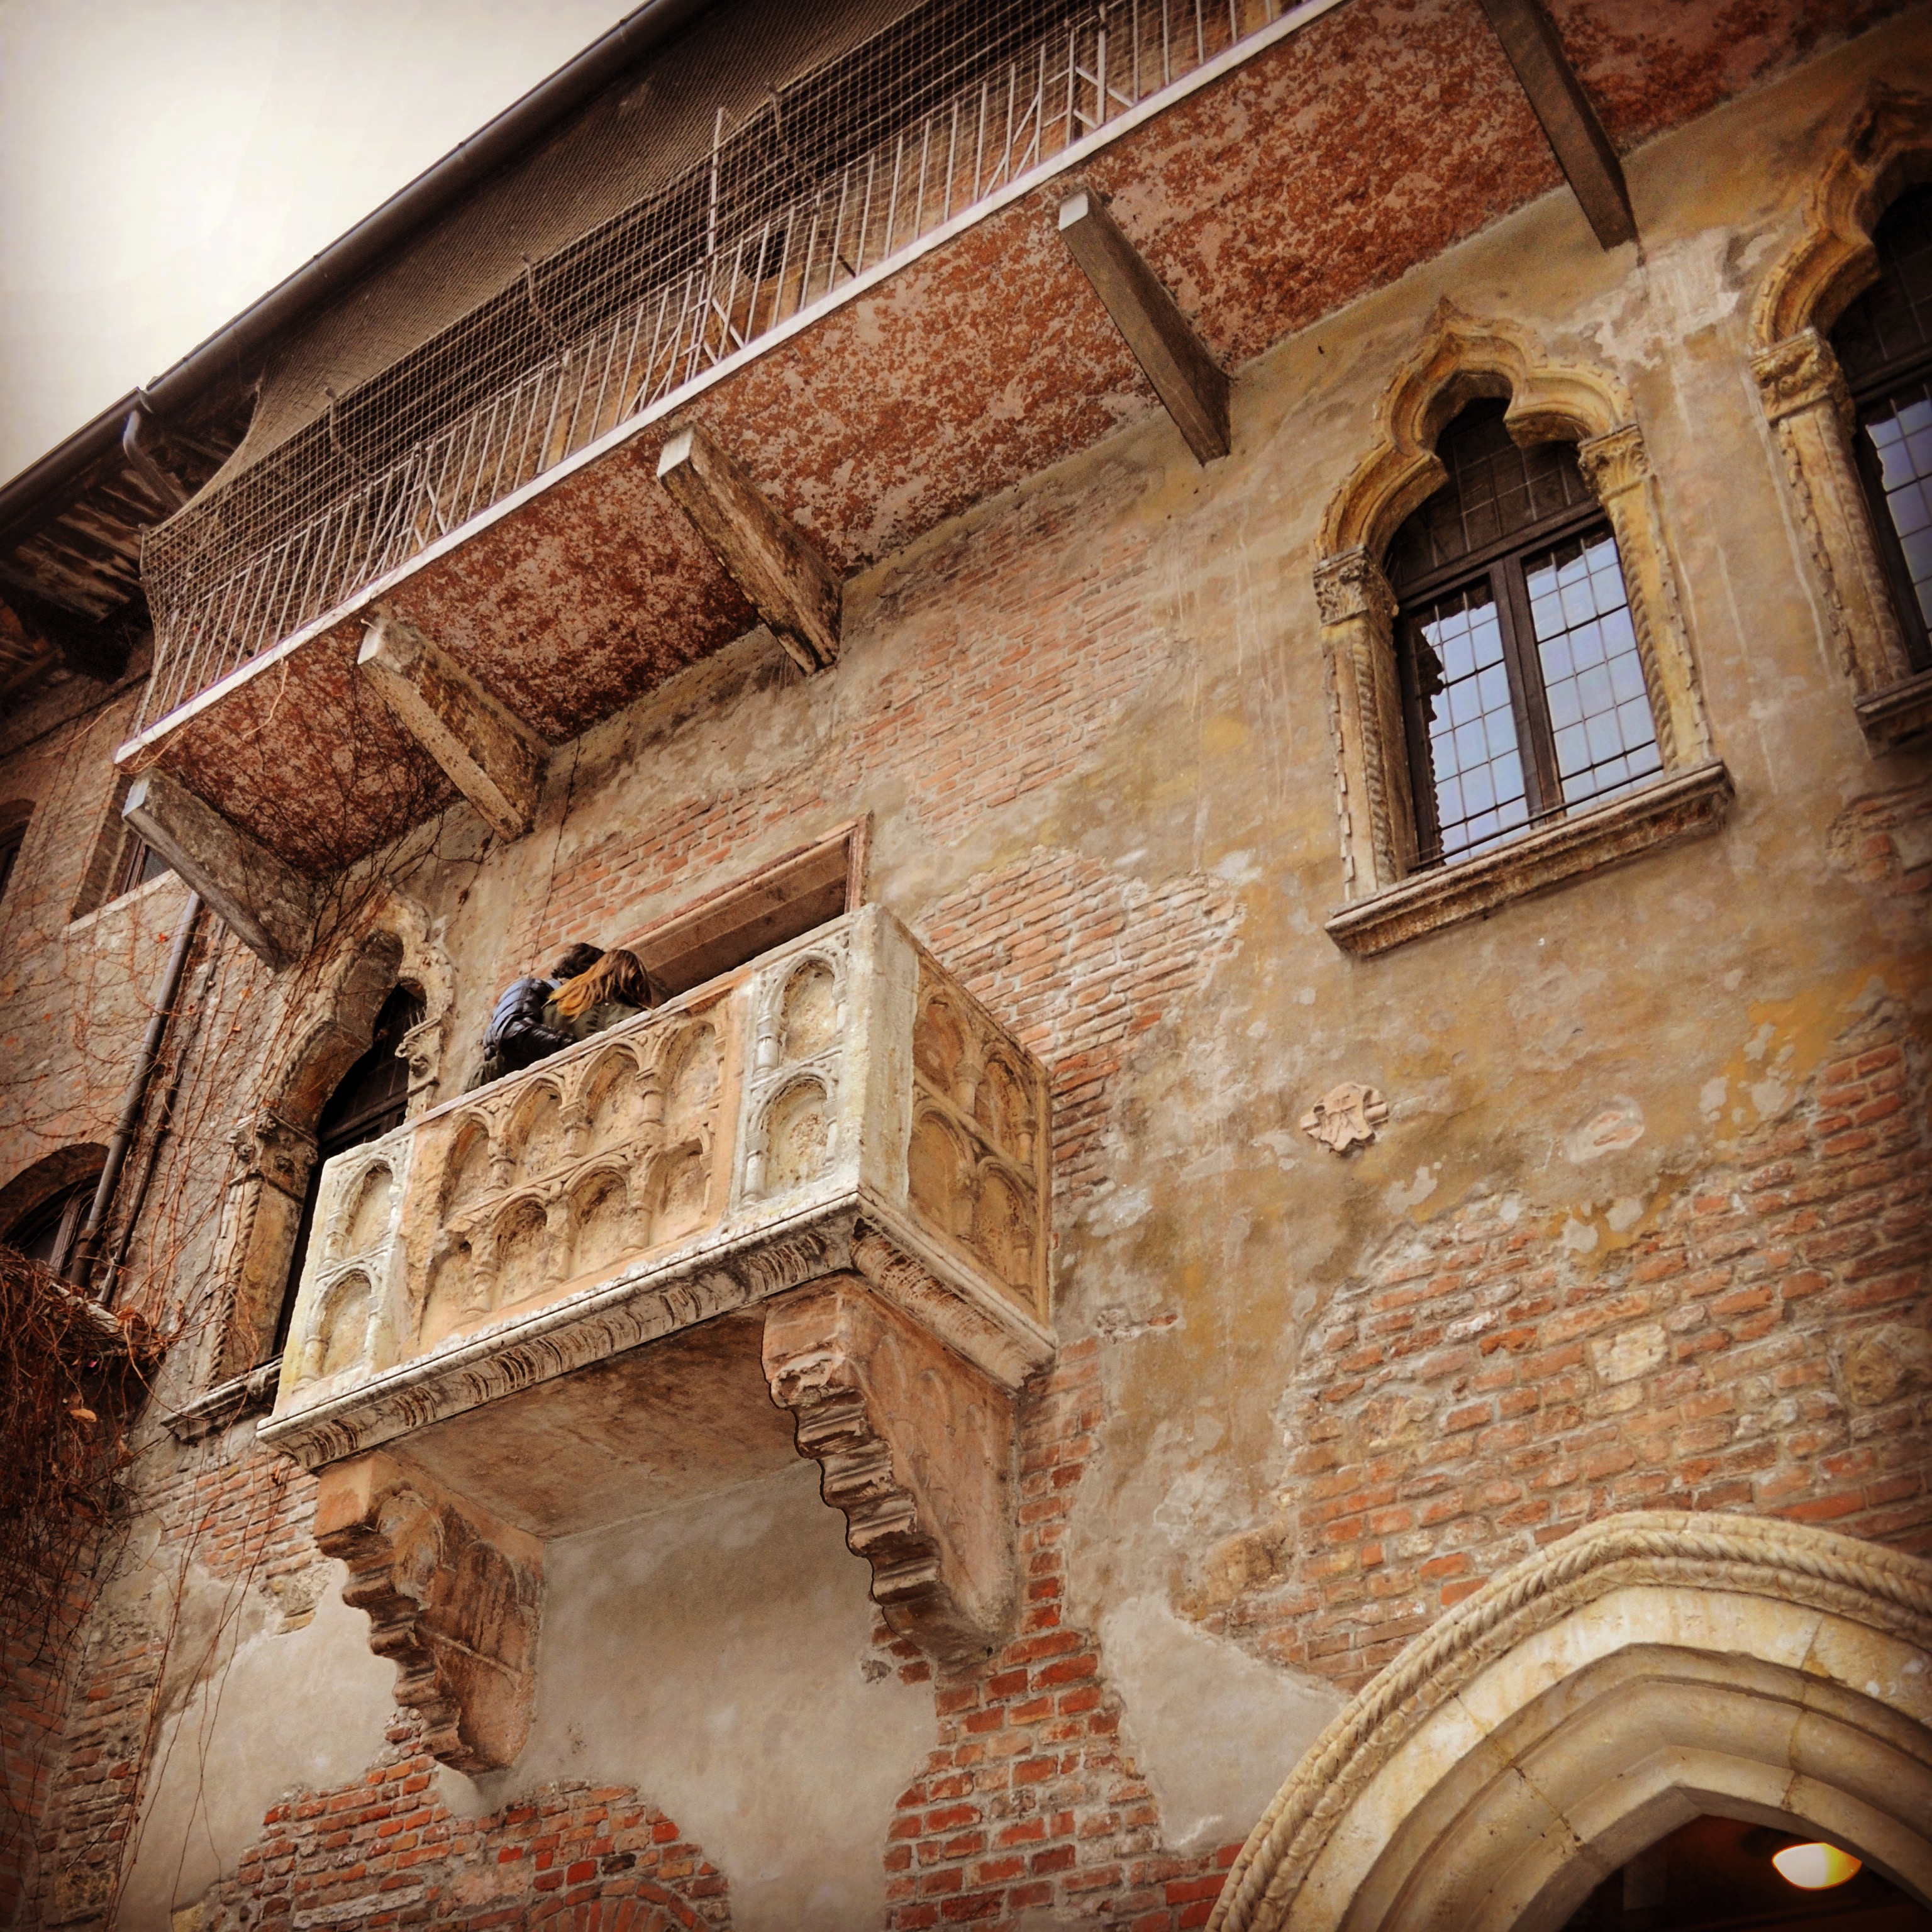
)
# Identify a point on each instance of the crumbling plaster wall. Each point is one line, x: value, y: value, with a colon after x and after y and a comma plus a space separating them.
x: 1090, y: 722
x: 1107, y: 686
x: 260, y: 1706
x: 719, y: 1656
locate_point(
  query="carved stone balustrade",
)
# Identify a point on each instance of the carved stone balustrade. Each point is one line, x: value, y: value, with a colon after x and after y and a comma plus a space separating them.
x: 811, y: 1195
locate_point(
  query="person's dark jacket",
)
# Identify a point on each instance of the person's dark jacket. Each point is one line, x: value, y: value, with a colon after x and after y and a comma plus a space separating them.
x: 516, y: 1036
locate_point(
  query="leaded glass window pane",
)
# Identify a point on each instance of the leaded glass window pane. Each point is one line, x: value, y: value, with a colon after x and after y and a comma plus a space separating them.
x: 1599, y: 716
x: 1480, y: 794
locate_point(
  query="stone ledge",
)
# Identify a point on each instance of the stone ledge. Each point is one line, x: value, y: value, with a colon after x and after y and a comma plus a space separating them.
x: 851, y: 1235
x: 1897, y: 712
x: 227, y: 1403
x: 1669, y: 811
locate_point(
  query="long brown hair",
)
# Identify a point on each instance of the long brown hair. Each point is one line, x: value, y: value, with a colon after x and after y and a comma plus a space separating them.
x: 617, y: 976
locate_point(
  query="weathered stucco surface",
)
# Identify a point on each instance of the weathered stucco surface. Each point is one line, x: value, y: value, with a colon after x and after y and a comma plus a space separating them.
x: 716, y: 1656
x: 269, y: 1712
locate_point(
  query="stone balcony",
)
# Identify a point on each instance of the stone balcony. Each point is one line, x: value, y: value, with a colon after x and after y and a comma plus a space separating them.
x: 802, y: 1209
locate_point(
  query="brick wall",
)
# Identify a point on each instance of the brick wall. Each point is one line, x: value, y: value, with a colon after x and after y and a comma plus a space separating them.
x: 241, y: 1517
x: 1483, y: 1388
x: 1013, y: 648
x: 384, y: 1852
x: 33, y: 1686
x: 1030, y: 1801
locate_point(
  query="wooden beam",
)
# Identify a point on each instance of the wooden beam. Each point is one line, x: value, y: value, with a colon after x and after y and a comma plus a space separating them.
x: 1577, y: 136
x: 770, y: 558
x: 491, y: 756
x: 269, y: 905
x: 1187, y: 380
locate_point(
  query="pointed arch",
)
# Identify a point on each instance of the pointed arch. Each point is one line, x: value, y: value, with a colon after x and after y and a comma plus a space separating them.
x: 1651, y: 1667
x: 1461, y: 358
x: 1885, y: 147
x: 389, y: 940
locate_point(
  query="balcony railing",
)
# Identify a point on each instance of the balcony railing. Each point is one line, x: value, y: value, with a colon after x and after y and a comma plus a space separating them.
x: 839, y: 1107
x: 776, y: 221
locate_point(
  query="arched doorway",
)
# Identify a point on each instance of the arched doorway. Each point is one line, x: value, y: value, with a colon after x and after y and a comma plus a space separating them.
x: 1651, y: 1670
x: 1719, y: 1875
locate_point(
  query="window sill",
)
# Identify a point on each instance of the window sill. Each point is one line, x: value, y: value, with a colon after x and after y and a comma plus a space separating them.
x: 1897, y: 712
x: 147, y: 889
x: 227, y: 1403
x: 1667, y: 812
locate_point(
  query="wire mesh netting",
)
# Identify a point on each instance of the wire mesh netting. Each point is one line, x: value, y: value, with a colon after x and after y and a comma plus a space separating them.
x: 829, y: 175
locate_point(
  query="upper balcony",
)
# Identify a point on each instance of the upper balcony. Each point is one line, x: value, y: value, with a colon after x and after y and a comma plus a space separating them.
x: 868, y: 298
x: 812, y: 1193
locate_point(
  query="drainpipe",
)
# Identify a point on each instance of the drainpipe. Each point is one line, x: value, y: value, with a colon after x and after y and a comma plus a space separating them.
x: 80, y: 1263
x: 164, y: 1120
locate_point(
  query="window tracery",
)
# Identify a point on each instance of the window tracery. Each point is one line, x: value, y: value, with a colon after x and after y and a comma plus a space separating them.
x: 1512, y: 500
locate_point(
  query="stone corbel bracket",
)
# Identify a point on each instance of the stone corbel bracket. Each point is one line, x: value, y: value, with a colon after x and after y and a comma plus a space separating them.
x: 1191, y: 384
x: 490, y: 756
x: 778, y: 567
x: 916, y: 1449
x: 264, y: 900
x: 453, y: 1598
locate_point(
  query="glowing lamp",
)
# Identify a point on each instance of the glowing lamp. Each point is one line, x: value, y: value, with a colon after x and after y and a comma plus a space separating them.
x: 1814, y: 1868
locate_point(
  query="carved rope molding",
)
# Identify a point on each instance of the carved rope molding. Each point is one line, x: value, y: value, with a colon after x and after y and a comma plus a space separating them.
x: 1809, y: 408
x: 1460, y: 357
x: 1792, y: 1563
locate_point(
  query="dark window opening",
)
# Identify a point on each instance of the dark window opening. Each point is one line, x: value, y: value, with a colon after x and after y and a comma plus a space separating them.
x: 12, y: 837
x: 1883, y: 342
x: 792, y: 896
x: 371, y: 1098
x: 139, y: 864
x: 1522, y: 687
x: 48, y: 1232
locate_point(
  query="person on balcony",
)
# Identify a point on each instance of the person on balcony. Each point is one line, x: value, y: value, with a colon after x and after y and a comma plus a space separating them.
x: 618, y: 988
x: 516, y: 1036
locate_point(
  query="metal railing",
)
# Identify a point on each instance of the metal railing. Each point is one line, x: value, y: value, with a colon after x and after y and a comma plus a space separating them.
x: 226, y: 583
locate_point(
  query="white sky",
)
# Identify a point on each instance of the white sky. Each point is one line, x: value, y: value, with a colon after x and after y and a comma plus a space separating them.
x: 163, y: 162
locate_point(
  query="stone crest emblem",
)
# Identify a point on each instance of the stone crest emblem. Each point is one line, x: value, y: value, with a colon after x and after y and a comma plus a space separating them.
x: 1344, y: 1116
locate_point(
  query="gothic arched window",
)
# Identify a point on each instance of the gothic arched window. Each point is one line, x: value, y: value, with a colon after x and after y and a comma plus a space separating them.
x: 1883, y: 342
x: 47, y: 1232
x: 370, y: 1099
x: 1523, y: 689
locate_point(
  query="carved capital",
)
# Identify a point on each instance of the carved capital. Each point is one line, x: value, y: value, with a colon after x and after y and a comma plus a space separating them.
x: 453, y: 1598
x: 1352, y: 585
x: 272, y: 1150
x: 917, y: 1448
x: 1801, y: 373
x: 1613, y: 464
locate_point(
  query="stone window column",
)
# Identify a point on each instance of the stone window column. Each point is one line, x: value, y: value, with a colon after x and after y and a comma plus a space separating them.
x: 1887, y: 144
